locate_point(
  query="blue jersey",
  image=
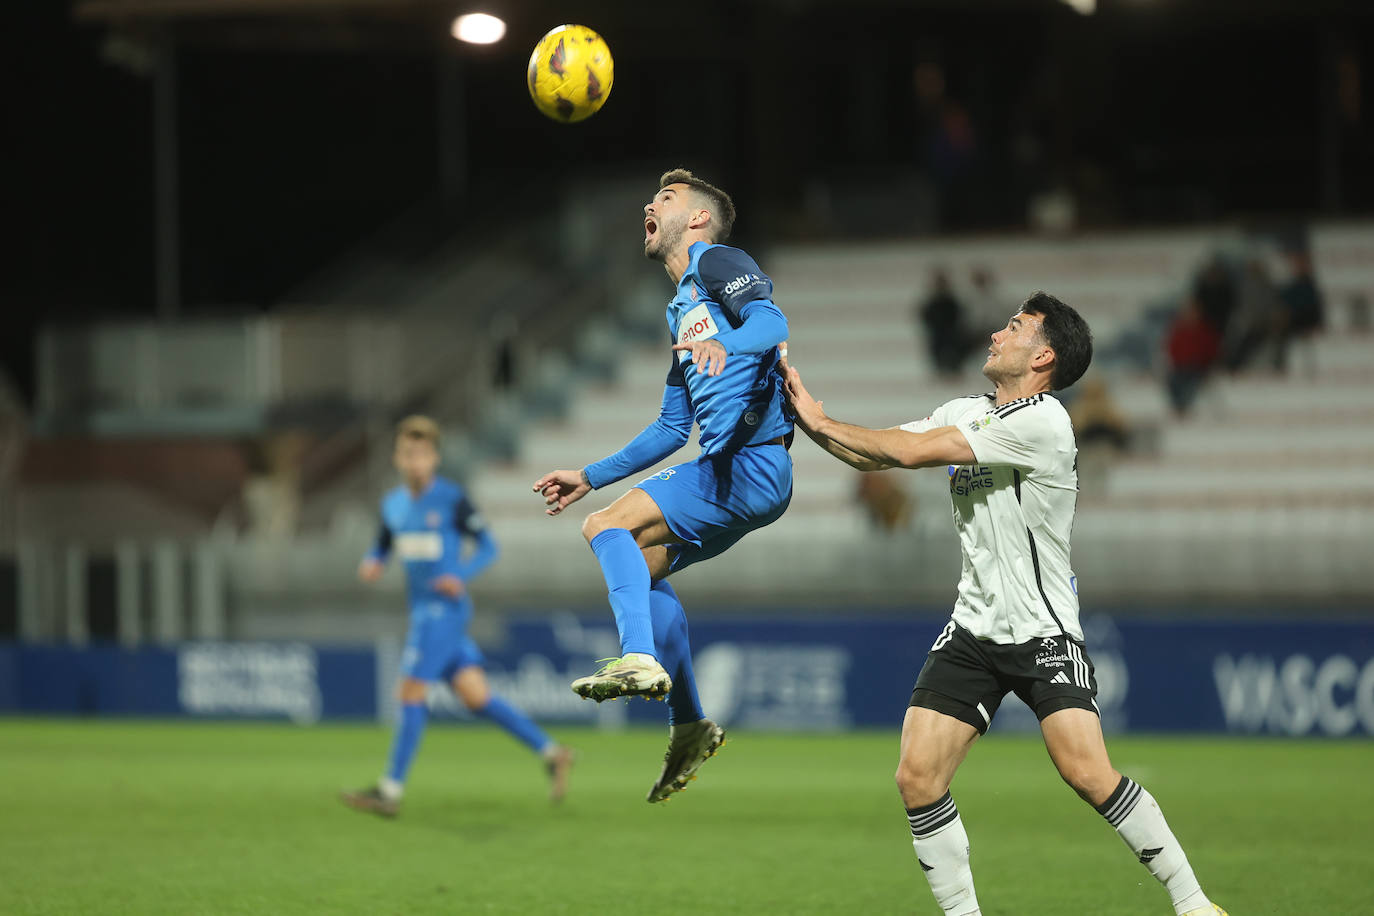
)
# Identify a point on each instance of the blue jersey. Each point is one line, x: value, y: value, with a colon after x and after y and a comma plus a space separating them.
x: 427, y: 533
x: 744, y: 404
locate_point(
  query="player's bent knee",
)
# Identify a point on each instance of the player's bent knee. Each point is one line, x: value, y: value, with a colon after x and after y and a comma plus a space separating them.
x: 473, y: 691
x: 593, y: 525
x: 1093, y: 783
x: 475, y: 700
x: 412, y: 691
x: 919, y: 785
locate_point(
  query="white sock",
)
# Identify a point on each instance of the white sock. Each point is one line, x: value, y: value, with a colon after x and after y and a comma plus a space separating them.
x: 1136, y: 816
x: 391, y: 789
x: 941, y: 846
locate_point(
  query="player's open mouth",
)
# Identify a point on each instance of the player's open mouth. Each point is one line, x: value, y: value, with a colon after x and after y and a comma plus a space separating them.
x: 650, y: 227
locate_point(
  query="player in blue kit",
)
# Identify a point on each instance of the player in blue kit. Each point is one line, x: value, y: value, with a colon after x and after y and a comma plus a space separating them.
x: 425, y: 522
x: 724, y: 376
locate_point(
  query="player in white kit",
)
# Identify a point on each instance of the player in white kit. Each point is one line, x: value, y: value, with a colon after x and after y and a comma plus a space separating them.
x: 1013, y: 482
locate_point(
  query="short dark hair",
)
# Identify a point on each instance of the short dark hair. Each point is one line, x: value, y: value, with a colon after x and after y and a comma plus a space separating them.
x: 1067, y: 334
x: 721, y: 206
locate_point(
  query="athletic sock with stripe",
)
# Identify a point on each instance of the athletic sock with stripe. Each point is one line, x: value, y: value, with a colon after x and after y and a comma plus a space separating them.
x: 941, y: 845
x: 1137, y: 819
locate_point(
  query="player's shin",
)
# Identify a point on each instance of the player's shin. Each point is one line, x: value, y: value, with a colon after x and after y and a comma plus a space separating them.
x: 674, y: 653
x: 627, y: 584
x: 942, y: 851
x: 403, y: 747
x: 1139, y: 822
x: 514, y: 721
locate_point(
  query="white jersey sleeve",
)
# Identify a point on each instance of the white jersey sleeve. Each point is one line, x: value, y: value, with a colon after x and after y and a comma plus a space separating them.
x: 938, y: 417
x: 1014, y: 435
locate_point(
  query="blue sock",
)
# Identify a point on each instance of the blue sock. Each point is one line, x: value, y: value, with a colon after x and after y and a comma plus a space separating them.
x: 674, y: 653
x: 413, y: 717
x: 627, y: 582
x: 515, y: 722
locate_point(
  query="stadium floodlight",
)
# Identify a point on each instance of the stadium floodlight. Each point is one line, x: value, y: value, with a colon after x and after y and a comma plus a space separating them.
x: 1086, y: 7
x: 479, y: 28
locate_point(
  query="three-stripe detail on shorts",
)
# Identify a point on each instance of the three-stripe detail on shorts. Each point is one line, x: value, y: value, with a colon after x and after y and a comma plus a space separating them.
x: 1080, y: 664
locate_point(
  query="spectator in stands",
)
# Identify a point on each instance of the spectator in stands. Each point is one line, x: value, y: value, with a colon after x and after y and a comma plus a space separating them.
x: 987, y: 310
x: 1194, y: 347
x: 1102, y: 434
x: 272, y: 493
x: 1253, y: 324
x: 1359, y: 313
x: 943, y: 319
x: 504, y: 333
x: 1215, y: 292
x: 885, y: 501
x: 1301, y: 312
x: 1096, y: 418
x: 949, y: 142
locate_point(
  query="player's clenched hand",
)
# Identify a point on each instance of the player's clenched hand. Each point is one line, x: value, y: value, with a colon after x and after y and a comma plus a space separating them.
x: 369, y: 570
x: 449, y: 585
x: 809, y: 411
x: 561, y: 489
x: 709, y: 355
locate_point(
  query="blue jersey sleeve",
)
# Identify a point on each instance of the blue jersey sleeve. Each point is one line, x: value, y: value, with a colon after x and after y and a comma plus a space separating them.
x: 471, y: 526
x: 659, y: 439
x: 381, y: 547
x: 745, y: 293
x: 763, y: 327
x: 467, y: 519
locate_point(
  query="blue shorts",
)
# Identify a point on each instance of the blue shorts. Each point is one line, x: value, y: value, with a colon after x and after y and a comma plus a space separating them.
x: 712, y: 502
x: 438, y: 645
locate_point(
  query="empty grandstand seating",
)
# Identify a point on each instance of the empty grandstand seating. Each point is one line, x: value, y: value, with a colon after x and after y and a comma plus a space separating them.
x: 1263, y: 492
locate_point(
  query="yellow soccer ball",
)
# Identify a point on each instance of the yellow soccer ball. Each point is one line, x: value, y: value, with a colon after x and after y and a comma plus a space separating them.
x: 571, y: 73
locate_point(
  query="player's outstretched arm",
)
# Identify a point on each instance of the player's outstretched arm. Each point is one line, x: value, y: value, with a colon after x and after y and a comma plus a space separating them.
x: 657, y: 441
x: 894, y: 447
x: 808, y: 412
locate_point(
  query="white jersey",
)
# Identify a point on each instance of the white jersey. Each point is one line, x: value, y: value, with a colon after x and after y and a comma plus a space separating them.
x: 1014, y: 511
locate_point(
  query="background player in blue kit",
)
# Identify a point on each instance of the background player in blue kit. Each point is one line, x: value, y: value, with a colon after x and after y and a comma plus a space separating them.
x: 723, y: 376
x: 425, y: 522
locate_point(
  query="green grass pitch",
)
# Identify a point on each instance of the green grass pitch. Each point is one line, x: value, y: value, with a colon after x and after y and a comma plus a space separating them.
x: 132, y: 817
